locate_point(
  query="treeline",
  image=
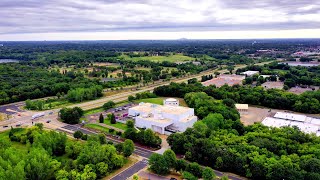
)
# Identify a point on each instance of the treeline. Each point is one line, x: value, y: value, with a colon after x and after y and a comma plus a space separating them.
x: 143, y: 95
x: 21, y: 82
x: 83, y: 94
x: 307, y: 102
x: 145, y: 137
x: 166, y: 163
x: 261, y: 153
x: 50, y: 155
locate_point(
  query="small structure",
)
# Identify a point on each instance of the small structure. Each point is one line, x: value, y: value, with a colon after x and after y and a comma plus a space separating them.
x: 242, y: 108
x: 38, y: 115
x: 250, y: 73
x: 171, y: 102
x: 163, y: 119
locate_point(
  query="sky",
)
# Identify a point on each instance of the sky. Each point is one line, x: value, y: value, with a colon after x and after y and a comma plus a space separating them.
x: 158, y: 19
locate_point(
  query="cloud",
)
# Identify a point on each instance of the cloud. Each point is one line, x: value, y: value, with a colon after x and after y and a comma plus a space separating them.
x: 51, y: 16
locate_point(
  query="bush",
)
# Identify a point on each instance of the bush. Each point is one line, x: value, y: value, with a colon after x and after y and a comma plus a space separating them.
x: 195, y: 169
x: 71, y: 116
x: 109, y: 105
x: 119, y: 133
x: 101, y: 118
x: 111, y: 130
x: 78, y: 134
x: 84, y: 137
x: 113, y: 119
x: 188, y: 176
x: 119, y: 147
x: 130, y: 124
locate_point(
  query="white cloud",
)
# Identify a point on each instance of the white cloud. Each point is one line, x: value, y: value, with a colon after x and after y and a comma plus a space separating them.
x: 51, y: 16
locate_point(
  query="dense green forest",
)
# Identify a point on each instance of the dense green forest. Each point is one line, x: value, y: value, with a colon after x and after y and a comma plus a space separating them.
x: 256, y: 151
x: 37, y: 154
x: 307, y: 102
x: 20, y: 82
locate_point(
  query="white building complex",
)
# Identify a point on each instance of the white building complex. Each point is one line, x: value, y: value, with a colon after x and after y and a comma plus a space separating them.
x: 304, y: 123
x: 166, y: 118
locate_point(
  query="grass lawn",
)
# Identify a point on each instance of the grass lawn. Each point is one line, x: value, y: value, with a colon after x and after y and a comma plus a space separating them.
x: 151, y: 100
x: 171, y: 58
x: 159, y: 101
x: 117, y: 125
x: 97, y: 127
x: 16, y: 145
x: 93, y: 111
x: 58, y: 103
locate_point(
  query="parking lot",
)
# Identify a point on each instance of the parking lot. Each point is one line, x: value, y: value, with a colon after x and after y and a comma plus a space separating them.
x: 120, y: 112
x: 10, y: 109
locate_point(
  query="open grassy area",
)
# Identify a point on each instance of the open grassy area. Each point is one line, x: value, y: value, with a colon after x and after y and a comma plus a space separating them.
x: 159, y: 101
x: 16, y: 145
x: 151, y: 100
x: 171, y: 58
x: 117, y: 125
x: 97, y: 127
x: 93, y: 111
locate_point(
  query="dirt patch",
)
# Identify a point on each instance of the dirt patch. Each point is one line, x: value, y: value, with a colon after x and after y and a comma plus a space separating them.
x: 255, y: 114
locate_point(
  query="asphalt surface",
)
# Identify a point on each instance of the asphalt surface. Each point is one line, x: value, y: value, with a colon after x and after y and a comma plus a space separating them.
x: 13, y: 107
x: 138, y: 150
x: 131, y: 170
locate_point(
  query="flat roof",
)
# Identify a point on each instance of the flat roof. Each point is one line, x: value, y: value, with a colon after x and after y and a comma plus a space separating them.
x: 148, y: 108
x: 160, y: 122
x: 307, y: 126
x: 242, y: 106
x: 290, y: 116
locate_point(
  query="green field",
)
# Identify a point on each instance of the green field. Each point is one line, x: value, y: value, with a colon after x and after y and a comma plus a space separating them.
x: 93, y: 111
x: 16, y: 145
x: 97, y: 127
x: 159, y: 101
x: 117, y: 125
x: 171, y: 58
x: 151, y: 100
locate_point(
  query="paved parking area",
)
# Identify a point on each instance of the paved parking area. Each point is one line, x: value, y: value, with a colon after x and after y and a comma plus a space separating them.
x: 10, y: 109
x: 76, y: 128
x: 118, y: 111
x: 132, y: 170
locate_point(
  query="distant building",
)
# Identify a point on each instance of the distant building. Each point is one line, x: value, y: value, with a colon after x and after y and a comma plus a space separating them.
x: 250, y: 73
x: 242, y: 108
x: 163, y: 119
x: 225, y: 79
x: 303, y: 122
x: 171, y: 102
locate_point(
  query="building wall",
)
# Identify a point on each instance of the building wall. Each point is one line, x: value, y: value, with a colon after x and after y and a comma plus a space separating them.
x: 182, y: 126
x: 171, y: 103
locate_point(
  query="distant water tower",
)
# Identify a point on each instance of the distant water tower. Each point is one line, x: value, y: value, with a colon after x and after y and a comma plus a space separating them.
x: 171, y: 102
